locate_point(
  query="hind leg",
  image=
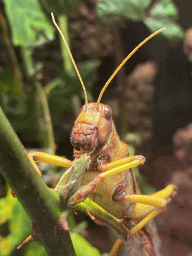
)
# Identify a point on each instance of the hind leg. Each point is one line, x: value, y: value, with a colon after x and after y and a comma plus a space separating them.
x: 149, y: 206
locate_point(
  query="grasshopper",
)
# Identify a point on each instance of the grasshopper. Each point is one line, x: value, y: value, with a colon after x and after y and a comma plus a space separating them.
x: 109, y: 180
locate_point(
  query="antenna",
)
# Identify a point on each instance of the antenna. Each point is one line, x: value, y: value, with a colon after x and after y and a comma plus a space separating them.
x: 125, y: 60
x: 71, y: 56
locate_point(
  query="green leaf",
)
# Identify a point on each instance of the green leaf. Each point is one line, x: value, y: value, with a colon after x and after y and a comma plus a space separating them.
x: 6, y: 205
x: 28, y: 23
x: 125, y: 9
x: 164, y: 15
x: 82, y: 247
x: 173, y: 33
x: 165, y: 9
x: 59, y: 7
x: 71, y: 179
x: 35, y: 248
x: 19, y: 224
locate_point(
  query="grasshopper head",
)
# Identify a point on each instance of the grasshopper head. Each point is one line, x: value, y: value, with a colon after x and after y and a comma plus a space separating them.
x: 92, y: 127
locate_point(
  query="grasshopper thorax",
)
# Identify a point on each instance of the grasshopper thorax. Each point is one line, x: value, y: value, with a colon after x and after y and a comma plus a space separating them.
x: 92, y: 127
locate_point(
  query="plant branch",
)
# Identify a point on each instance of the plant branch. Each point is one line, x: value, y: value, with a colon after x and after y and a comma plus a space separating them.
x: 37, y: 199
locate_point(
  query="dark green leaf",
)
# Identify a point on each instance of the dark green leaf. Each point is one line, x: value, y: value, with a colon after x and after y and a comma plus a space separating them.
x: 164, y: 15
x: 28, y: 23
x: 172, y: 35
x: 59, y: 7
x: 165, y: 9
x: 108, y: 10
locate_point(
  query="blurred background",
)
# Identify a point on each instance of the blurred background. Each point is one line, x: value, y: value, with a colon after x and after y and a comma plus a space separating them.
x: 151, y: 97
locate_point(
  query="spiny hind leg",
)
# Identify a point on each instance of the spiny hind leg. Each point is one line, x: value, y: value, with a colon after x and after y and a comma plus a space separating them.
x: 108, y: 170
x: 149, y: 206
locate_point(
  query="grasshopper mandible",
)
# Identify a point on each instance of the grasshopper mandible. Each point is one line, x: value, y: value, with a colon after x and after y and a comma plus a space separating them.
x: 109, y: 180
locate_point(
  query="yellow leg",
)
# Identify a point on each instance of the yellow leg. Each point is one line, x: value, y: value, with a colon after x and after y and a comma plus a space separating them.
x: 144, y: 221
x: 50, y: 159
x: 115, y: 247
x: 106, y: 171
x: 167, y: 192
x: 147, y: 207
x: 146, y: 199
x: 34, y: 164
x: 145, y: 204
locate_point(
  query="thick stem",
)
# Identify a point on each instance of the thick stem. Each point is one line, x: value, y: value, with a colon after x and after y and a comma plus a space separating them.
x: 37, y: 199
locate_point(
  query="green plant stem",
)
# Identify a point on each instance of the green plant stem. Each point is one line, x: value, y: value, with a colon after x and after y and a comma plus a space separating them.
x: 63, y: 24
x: 51, y: 86
x: 67, y: 63
x: 42, y: 113
x: 7, y: 40
x: 36, y: 198
x: 44, y: 119
x: 26, y: 54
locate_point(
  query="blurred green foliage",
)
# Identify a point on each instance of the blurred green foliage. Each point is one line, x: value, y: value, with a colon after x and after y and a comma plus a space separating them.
x: 28, y: 23
x: 82, y: 247
x: 59, y: 7
x: 19, y: 224
x: 155, y: 15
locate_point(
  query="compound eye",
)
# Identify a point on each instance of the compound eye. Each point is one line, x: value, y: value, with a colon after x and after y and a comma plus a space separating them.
x: 107, y: 112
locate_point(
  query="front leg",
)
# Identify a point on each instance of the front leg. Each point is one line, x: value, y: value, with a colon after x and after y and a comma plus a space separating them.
x: 50, y: 159
x: 106, y: 171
